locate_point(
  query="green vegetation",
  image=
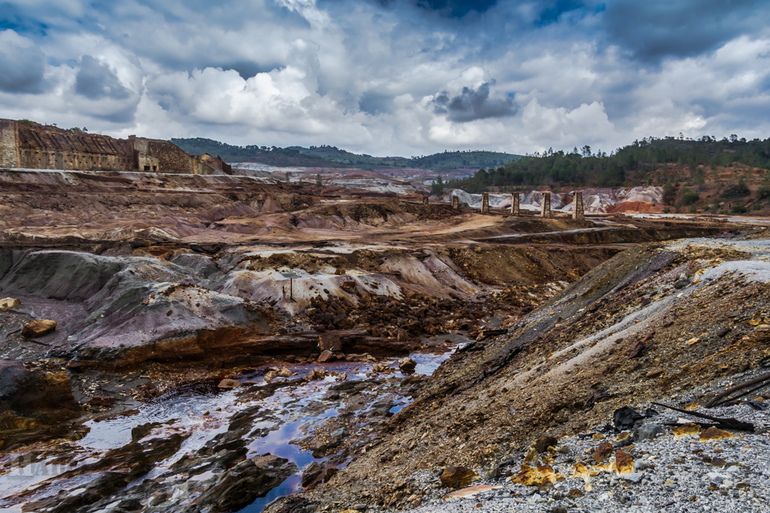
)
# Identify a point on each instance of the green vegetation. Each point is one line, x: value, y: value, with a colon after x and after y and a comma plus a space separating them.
x: 650, y: 161
x: 330, y: 156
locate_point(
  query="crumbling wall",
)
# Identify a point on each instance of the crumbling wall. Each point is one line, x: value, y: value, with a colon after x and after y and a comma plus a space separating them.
x: 8, y: 155
x: 172, y: 159
x: 43, y: 147
x: 25, y: 144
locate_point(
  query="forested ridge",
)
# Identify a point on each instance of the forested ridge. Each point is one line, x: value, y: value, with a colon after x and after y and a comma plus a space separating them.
x: 331, y: 156
x: 651, y: 161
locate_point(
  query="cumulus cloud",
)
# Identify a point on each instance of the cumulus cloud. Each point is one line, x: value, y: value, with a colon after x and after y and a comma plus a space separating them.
x: 472, y: 104
x: 22, y: 64
x: 391, y: 76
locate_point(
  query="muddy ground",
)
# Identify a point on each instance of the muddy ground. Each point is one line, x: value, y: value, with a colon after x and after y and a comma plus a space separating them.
x: 161, y: 282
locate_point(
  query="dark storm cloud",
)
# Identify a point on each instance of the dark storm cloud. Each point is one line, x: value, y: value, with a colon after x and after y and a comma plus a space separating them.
x: 471, y: 105
x: 655, y: 30
x: 452, y: 8
x: 22, y: 65
x: 96, y: 81
x: 374, y: 103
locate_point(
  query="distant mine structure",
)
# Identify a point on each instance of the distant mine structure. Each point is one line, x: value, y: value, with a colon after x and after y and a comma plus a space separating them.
x: 30, y: 145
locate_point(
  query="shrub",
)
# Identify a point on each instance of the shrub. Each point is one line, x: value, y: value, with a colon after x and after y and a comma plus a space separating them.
x: 739, y: 209
x: 689, y: 196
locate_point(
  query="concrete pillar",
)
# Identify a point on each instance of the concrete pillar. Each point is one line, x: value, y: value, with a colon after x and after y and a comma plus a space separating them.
x: 515, y: 204
x: 455, y: 202
x: 545, y: 208
x: 425, y: 200
x: 485, y: 203
x: 578, y: 212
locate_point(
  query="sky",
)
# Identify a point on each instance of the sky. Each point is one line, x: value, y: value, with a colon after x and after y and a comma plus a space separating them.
x: 391, y: 77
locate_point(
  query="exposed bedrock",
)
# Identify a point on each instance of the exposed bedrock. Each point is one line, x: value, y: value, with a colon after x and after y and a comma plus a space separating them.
x: 180, y: 305
x: 33, y: 402
x: 128, y: 309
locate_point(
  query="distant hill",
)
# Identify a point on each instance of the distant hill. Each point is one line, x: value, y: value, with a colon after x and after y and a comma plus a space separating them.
x: 330, y: 156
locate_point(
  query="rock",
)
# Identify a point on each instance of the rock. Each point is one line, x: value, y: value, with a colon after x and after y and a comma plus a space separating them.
x: 407, y: 365
x: 34, y: 329
x: 648, y: 432
x: 326, y: 356
x: 633, y: 477
x: 602, y: 453
x: 655, y: 373
x: 544, y: 442
x: 624, y: 439
x: 348, y: 286
x: 9, y: 303
x: 285, y: 372
x: 311, y: 474
x: 457, y: 477
x: 229, y: 384
x: 12, y: 374
x: 270, y: 376
x: 101, y: 401
x: 681, y: 283
x: 624, y: 418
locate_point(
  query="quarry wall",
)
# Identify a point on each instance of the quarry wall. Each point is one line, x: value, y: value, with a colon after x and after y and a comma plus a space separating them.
x: 25, y: 144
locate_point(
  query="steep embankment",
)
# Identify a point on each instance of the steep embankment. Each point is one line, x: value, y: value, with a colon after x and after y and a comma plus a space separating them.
x: 652, y: 323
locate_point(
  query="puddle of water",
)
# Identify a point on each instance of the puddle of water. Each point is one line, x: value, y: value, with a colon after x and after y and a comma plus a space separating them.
x: 182, y: 411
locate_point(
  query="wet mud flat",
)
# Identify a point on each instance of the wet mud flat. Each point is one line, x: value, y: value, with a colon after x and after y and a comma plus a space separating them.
x: 203, y: 446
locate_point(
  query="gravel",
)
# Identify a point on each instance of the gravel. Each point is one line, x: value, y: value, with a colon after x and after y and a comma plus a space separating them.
x: 670, y: 472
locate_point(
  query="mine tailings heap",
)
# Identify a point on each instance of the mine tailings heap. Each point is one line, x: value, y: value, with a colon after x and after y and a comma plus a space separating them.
x: 26, y: 144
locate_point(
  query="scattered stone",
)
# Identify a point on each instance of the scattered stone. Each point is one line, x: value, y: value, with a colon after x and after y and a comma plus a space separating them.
x: 544, y: 442
x: 285, y: 372
x: 101, y: 401
x: 34, y: 329
x: 229, y: 384
x: 602, y: 453
x: 656, y: 373
x: 543, y: 475
x: 457, y: 477
x: 633, y: 477
x: 648, y: 432
x: 316, y: 373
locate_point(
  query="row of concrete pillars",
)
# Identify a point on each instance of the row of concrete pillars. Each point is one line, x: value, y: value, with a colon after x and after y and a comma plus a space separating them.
x: 578, y: 211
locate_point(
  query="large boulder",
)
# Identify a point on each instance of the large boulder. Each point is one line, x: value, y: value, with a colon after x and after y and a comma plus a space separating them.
x: 30, y: 391
x: 39, y: 328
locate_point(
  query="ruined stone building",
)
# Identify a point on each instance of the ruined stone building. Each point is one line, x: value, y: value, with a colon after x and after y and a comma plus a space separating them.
x: 25, y: 144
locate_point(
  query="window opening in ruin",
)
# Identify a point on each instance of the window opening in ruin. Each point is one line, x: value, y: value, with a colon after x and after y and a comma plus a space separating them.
x: 146, y: 168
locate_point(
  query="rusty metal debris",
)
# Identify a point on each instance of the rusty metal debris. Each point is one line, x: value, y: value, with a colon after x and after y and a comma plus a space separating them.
x: 720, y: 422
